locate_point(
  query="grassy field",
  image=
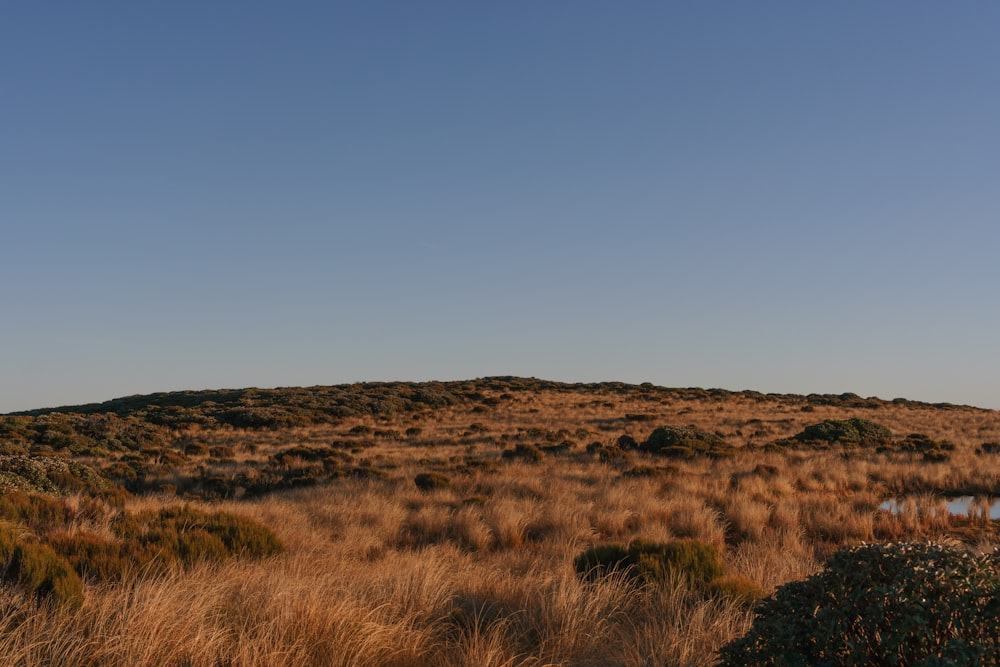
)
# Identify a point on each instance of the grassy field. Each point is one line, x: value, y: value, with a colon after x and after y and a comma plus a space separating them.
x: 439, y: 523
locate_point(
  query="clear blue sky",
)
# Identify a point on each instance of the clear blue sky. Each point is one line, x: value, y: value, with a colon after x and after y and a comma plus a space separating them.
x: 781, y: 196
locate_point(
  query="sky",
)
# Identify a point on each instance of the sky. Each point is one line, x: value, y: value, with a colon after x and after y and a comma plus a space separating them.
x: 780, y: 196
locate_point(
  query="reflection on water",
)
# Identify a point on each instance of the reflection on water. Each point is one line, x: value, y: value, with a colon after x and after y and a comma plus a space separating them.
x: 960, y: 506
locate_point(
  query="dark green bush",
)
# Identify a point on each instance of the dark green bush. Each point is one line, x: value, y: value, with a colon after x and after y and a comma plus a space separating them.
x: 881, y: 604
x: 626, y: 442
x: 680, y: 436
x: 936, y: 456
x: 601, y: 560
x: 695, y: 562
x: 685, y: 442
x: 560, y: 448
x: 429, y: 481
x: 368, y: 472
x: 850, y: 432
x: 916, y: 442
x: 990, y: 448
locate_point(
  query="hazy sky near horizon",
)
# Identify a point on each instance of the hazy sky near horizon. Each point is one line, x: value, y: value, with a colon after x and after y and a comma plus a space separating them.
x: 781, y: 196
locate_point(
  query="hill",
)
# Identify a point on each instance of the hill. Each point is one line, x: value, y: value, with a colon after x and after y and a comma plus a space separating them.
x: 442, y: 522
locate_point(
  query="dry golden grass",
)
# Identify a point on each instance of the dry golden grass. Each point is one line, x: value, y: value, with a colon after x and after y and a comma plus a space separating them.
x: 378, y: 572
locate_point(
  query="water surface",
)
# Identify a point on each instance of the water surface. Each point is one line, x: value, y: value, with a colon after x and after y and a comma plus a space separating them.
x: 958, y: 506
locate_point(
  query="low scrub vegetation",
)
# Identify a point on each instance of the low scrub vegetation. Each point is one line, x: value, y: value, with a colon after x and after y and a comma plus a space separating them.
x: 848, y: 432
x: 685, y: 443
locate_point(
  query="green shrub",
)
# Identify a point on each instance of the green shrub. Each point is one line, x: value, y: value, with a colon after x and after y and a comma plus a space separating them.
x: 94, y: 557
x: 120, y: 471
x: 916, y: 442
x: 601, y: 560
x: 46, y: 474
x: 626, y: 442
x: 990, y: 448
x: 935, y: 456
x: 40, y: 570
x: 679, y: 436
x: 695, y: 562
x: 368, y: 472
x: 430, y: 481
x: 851, y: 432
x: 881, y: 604
x: 8, y: 540
x: 38, y: 511
x: 242, y: 536
x: 186, y: 535
x: 685, y: 442
x: 199, y: 544
x: 561, y: 448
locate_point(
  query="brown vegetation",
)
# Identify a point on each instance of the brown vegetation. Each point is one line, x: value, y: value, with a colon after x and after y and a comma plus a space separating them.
x: 439, y: 523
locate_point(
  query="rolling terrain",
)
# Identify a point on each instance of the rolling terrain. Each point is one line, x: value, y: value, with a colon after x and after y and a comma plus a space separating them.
x: 454, y: 523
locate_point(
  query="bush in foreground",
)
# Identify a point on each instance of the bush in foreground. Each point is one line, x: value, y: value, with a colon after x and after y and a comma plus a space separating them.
x: 881, y: 604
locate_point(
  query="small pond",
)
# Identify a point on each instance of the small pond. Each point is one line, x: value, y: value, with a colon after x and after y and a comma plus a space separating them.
x: 959, y: 506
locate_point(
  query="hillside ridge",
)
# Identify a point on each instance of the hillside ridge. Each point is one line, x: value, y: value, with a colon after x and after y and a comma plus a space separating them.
x: 326, y: 403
